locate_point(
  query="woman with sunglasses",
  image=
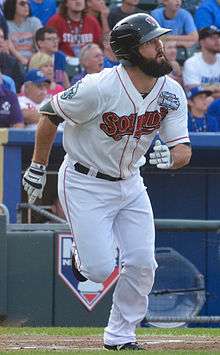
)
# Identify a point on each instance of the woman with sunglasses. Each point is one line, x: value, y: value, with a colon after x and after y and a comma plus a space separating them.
x: 22, y: 27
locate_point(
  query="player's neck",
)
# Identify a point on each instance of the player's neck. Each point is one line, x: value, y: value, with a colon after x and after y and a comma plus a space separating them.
x: 142, y: 82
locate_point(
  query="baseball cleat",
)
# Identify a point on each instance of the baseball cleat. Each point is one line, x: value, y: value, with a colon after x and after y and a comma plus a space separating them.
x: 75, y: 270
x: 127, y: 346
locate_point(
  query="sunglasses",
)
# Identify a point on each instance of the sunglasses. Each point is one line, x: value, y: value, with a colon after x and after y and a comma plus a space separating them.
x: 23, y: 3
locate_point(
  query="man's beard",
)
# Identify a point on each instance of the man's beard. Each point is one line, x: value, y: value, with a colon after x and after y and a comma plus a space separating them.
x: 154, y: 68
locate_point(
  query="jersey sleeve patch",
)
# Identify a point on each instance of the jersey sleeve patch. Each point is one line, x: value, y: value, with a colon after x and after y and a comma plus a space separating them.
x: 71, y: 92
x: 169, y: 100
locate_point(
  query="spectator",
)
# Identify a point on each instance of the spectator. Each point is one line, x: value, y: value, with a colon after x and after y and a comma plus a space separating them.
x: 35, y: 93
x: 171, y: 52
x: 9, y: 64
x: 47, y: 42
x: 3, y: 23
x: 43, y: 9
x: 117, y: 13
x: 22, y: 27
x: 74, y: 28
x: 208, y: 14
x: 172, y: 16
x: 110, y: 59
x: 10, y: 112
x: 198, y: 119
x: 214, y: 111
x: 43, y: 62
x: 9, y: 83
x: 98, y: 9
x: 91, y: 61
x: 203, y: 68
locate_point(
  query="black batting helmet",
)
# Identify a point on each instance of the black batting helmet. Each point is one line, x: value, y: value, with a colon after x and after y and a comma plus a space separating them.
x: 129, y: 33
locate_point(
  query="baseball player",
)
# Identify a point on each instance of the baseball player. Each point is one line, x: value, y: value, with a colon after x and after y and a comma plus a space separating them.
x: 111, y: 119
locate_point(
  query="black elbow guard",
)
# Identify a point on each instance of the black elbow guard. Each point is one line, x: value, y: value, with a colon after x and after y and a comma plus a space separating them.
x: 47, y: 110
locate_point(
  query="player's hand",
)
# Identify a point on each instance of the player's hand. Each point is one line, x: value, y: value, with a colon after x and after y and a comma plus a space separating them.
x: 34, y: 181
x: 161, y: 157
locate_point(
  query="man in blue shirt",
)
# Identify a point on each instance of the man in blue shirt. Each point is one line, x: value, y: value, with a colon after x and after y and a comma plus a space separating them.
x: 208, y: 14
x: 43, y: 9
x: 198, y: 119
x: 179, y: 20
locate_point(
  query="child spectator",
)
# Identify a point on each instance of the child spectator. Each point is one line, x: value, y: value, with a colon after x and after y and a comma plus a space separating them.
x: 47, y: 42
x: 22, y: 27
x: 10, y: 112
x: 172, y: 16
x: 91, y: 61
x: 208, y: 14
x: 117, y: 13
x: 43, y: 62
x: 74, y: 28
x: 43, y: 9
x: 35, y: 93
x: 100, y: 10
x: 203, y: 68
x: 9, y: 64
x: 198, y: 119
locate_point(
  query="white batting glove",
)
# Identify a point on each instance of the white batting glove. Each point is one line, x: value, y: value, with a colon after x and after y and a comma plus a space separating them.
x: 161, y: 157
x: 34, y: 181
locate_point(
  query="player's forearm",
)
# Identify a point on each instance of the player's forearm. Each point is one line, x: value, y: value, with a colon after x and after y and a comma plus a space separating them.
x: 45, y: 135
x: 181, y: 155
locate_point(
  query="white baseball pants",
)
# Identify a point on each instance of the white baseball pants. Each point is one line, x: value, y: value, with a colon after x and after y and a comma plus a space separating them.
x: 100, y: 213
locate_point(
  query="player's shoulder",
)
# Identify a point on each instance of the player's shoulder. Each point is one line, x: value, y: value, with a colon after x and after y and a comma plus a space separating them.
x: 103, y: 79
x: 173, y: 87
x: 95, y: 84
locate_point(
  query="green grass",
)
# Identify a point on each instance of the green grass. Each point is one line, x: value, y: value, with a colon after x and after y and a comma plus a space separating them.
x: 103, y: 352
x: 99, y: 331
x: 69, y: 331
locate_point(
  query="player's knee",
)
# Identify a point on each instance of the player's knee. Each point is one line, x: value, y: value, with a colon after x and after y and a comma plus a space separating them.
x: 142, y: 260
x: 140, y: 269
x: 100, y: 272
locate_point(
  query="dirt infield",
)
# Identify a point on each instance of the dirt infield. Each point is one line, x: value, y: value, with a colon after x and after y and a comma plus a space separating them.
x: 68, y: 343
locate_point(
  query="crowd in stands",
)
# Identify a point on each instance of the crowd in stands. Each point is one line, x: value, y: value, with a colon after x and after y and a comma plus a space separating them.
x: 48, y: 45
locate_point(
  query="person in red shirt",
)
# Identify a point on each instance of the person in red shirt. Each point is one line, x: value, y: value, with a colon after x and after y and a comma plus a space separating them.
x: 74, y: 27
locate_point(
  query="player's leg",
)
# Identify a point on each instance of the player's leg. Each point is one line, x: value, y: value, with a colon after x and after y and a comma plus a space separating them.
x: 88, y: 209
x: 135, y: 238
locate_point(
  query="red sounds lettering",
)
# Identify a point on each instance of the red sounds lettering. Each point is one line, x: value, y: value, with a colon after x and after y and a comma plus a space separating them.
x: 117, y: 127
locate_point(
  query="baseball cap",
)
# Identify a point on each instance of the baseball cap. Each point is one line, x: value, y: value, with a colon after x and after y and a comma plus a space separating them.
x: 36, y: 77
x: 208, y: 31
x: 196, y: 91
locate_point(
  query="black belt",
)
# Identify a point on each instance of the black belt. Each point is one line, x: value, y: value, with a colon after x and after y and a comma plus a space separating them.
x: 84, y: 170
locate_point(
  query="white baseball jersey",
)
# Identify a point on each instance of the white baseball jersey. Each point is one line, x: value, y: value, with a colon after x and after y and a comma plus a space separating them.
x: 109, y: 126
